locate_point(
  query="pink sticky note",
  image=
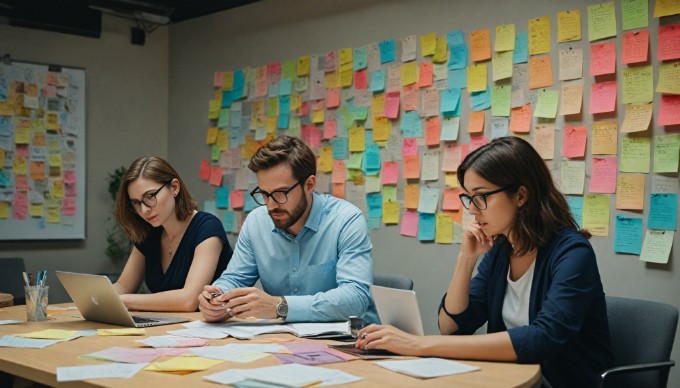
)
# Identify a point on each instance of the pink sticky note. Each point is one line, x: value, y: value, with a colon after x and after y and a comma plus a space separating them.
x: 216, y: 173
x: 70, y: 176
x: 339, y: 174
x: 20, y: 205
x: 669, y: 110
x: 409, y: 147
x: 603, y: 175
x: 21, y: 182
x: 274, y: 69
x: 390, y: 173
x: 68, y: 206
x: 317, y: 105
x: 331, y: 62
x: 330, y: 129
x: 426, y: 74
x: 410, y: 98
x: 333, y: 97
x: 669, y: 42
x: 478, y: 141
x: 236, y: 199
x: 409, y: 223
x: 574, y: 143
x: 635, y: 47
x: 311, y: 134
x: 452, y: 157
x: 451, y: 199
x: 391, y: 105
x: 218, y: 79
x: 204, y: 170
x: 603, y: 97
x: 602, y: 58
x: 361, y: 79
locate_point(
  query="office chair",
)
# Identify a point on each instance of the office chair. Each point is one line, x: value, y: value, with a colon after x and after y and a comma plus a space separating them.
x: 393, y: 281
x: 11, y: 280
x: 642, y: 335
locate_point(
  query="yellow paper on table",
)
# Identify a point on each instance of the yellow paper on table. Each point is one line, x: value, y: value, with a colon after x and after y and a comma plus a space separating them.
x: 539, y: 35
x: 666, y: 8
x: 596, y: 214
x: 51, y: 334
x: 569, y: 26
x: 669, y: 78
x: 476, y: 76
x: 126, y: 331
x: 601, y: 21
x: 183, y: 365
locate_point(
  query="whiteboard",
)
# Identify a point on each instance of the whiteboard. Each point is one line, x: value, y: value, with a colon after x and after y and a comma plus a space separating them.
x: 42, y: 151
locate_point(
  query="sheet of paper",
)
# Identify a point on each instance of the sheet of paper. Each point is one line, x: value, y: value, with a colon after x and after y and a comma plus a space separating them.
x: 539, y: 35
x: 596, y: 214
x: 605, y: 138
x: 105, y: 371
x: 427, y: 367
x: 132, y: 355
x: 630, y: 192
x: 657, y: 245
x: 290, y: 375
x: 480, y: 45
x: 637, y: 118
x: 601, y: 21
x: 569, y: 26
x: 628, y: 235
x: 9, y: 341
x: 505, y: 38
x: 666, y: 153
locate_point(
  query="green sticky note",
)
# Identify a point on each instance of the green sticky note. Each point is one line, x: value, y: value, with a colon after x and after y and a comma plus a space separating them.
x: 638, y: 84
x: 546, y: 107
x: 355, y: 159
x: 389, y: 193
x: 666, y: 153
x: 501, y: 99
x: 635, y: 154
x: 634, y: 14
x: 601, y: 21
x: 596, y: 214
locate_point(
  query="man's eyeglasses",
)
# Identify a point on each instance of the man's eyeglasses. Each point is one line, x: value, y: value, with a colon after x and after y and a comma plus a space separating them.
x: 279, y: 196
x: 149, y: 200
x: 479, y: 200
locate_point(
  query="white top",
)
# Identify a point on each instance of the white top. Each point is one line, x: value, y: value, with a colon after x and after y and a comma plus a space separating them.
x: 516, y: 301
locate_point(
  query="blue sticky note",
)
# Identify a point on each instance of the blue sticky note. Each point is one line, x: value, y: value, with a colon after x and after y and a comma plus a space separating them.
x: 228, y: 221
x: 663, y: 211
x: 368, y: 138
x: 222, y: 197
x: 3, y: 90
x: 282, y: 121
x: 387, y: 51
x: 5, y: 126
x: 226, y: 98
x: 449, y: 100
x: 340, y: 148
x: 238, y: 86
x: 628, y: 237
x: 285, y: 87
x: 209, y: 207
x: 410, y: 125
x: 235, y: 119
x: 426, y: 226
x: 284, y: 105
x: 374, y: 201
x: 371, y: 161
x: 458, y: 56
x: 272, y: 89
x: 457, y: 79
x: 377, y: 83
x: 455, y: 37
x: 576, y: 208
x: 359, y: 58
x: 481, y: 100
x: 373, y: 223
x: 521, y: 53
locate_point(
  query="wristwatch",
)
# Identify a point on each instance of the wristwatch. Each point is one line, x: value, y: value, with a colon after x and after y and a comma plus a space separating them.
x: 282, y: 308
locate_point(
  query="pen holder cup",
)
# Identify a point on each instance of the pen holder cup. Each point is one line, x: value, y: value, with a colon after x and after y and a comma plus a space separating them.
x: 36, y: 303
x: 355, y: 324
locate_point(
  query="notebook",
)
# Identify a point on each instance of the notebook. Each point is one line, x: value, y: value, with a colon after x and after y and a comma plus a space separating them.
x: 98, y: 301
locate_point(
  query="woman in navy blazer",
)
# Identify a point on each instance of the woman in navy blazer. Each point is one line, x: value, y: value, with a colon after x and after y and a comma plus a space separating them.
x: 537, y: 286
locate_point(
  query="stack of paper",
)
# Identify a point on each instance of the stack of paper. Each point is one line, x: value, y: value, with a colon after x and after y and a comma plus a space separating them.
x: 427, y: 367
x: 247, y: 330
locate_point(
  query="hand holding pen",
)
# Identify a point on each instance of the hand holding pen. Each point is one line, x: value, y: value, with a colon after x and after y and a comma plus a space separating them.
x: 211, y: 304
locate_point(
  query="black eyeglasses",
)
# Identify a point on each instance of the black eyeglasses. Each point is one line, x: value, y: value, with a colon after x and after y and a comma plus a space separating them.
x: 279, y: 196
x: 479, y: 200
x: 149, y: 200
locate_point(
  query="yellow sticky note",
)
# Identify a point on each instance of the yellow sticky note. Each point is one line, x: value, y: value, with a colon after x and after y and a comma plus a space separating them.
x: 22, y: 135
x: 502, y: 65
x: 295, y: 101
x: 669, y: 78
x: 569, y: 26
x: 476, y: 77
x: 54, y: 160
x: 378, y: 104
x: 325, y: 163
x: 223, y: 140
x: 638, y: 84
x: 391, y: 213
x: 51, y: 334
x: 115, y: 332
x: 666, y: 8
x: 382, y: 128
x: 428, y: 44
x: 213, y: 110
x: 228, y: 80
x: 303, y: 65
x: 36, y: 210
x: 357, y: 139
x: 409, y: 73
x: 4, y: 210
x: 596, y: 214
x: 505, y: 38
x: 346, y: 75
x: 539, y: 35
x: 605, y: 136
x: 318, y: 116
x: 443, y: 229
x: 20, y: 166
x: 345, y: 55
x: 441, y: 51
x: 630, y: 192
x: 601, y: 21
x: 183, y: 364
x: 211, y: 136
x: 58, y: 188
x: 332, y: 79
x: 52, y: 121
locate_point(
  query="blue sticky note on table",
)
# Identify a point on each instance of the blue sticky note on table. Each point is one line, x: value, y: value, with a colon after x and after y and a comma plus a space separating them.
x: 377, y: 83
x: 521, y: 53
x: 374, y: 201
x: 387, y: 51
x: 457, y: 79
x: 480, y: 100
x: 663, y: 211
x: 426, y: 226
x: 410, y: 125
x: 222, y: 197
x: 450, y: 98
x: 576, y: 208
x: 628, y: 237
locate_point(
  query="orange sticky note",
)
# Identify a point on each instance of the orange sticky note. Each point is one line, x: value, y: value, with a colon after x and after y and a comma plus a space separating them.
x: 425, y: 75
x: 204, y: 170
x: 339, y: 174
x: 635, y: 47
x: 333, y: 97
x: 411, y: 167
x: 520, y: 119
x: 630, y: 192
x: 361, y: 79
x: 574, y: 143
x: 602, y: 97
x: 216, y: 176
x: 451, y: 199
x: 540, y: 72
x: 602, y: 58
x: 432, y: 131
x: 411, y: 196
x: 480, y: 45
x: 476, y: 123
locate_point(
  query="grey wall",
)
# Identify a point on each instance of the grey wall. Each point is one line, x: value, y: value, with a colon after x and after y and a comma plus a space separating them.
x: 127, y: 116
x: 274, y: 30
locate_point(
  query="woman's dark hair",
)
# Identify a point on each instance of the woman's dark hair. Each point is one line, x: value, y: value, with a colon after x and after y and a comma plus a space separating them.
x: 511, y: 161
x: 156, y: 169
x: 285, y: 149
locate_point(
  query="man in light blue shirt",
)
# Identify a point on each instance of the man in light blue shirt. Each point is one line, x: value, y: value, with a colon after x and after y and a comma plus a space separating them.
x: 310, y: 251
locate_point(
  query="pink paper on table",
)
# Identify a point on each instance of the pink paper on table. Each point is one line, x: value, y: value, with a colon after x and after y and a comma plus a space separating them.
x: 603, y: 175
x: 574, y: 142
x: 409, y: 223
x: 669, y: 110
x: 635, y: 47
x: 603, y: 97
x: 602, y: 58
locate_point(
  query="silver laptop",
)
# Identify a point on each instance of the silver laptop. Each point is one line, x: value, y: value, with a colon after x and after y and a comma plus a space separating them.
x: 398, y: 308
x: 98, y: 301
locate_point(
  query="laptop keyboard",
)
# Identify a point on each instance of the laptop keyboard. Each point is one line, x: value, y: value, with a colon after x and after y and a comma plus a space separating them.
x: 143, y: 320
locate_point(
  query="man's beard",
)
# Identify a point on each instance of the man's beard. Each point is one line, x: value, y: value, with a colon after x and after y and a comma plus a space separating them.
x: 292, y: 218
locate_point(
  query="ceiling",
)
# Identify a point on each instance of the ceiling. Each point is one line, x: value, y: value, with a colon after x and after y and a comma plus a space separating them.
x: 83, y: 17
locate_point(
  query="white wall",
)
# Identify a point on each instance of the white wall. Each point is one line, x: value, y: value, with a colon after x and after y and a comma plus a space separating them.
x: 274, y: 30
x: 127, y: 116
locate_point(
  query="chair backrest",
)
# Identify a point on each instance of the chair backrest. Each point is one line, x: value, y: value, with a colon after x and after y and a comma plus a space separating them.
x: 393, y: 281
x: 11, y: 280
x: 641, y: 332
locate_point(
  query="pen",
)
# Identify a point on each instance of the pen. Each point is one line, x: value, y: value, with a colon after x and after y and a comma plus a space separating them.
x: 30, y: 279
x: 28, y: 283
x: 216, y: 294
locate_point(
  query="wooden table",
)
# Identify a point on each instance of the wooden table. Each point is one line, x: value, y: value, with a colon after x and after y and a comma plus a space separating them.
x: 40, y: 365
